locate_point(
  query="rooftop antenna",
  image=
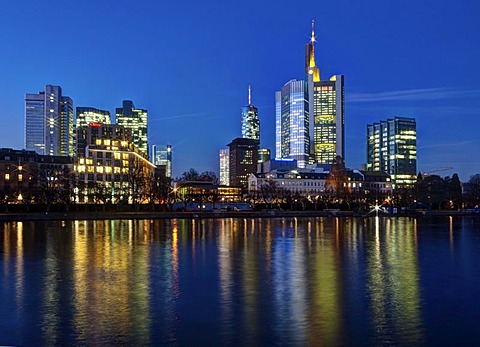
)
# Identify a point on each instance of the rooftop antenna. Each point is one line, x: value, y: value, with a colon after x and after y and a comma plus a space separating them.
x: 249, y: 94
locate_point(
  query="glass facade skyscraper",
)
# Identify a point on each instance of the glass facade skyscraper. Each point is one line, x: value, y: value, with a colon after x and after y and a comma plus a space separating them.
x: 87, y: 115
x: 162, y: 156
x: 292, y: 122
x: 326, y: 110
x: 49, y: 122
x: 224, y: 157
x: 250, y: 120
x: 328, y: 119
x: 392, y: 148
x: 137, y: 120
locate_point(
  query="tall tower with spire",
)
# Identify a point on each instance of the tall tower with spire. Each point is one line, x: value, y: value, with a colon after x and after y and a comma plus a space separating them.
x: 326, y: 105
x: 312, y: 75
x: 250, y: 120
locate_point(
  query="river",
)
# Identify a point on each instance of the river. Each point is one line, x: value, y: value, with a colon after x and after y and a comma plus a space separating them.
x: 273, y: 281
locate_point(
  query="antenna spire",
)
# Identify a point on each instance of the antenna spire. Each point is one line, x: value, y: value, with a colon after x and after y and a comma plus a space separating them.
x: 249, y: 94
x: 313, y: 32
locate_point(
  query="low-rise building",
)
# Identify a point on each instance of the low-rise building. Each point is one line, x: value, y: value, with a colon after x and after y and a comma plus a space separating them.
x: 26, y: 176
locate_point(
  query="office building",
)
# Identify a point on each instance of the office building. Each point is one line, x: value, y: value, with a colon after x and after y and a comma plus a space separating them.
x: 263, y: 155
x: 250, y: 121
x: 292, y: 122
x: 49, y: 122
x: 224, y: 166
x: 243, y: 158
x: 161, y: 156
x: 136, y: 120
x: 329, y: 120
x: 392, y: 148
x: 28, y: 177
x: 110, y: 167
x: 326, y: 110
x: 87, y: 115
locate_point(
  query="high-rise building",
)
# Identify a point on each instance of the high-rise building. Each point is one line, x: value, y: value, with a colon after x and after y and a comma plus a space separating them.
x: 87, y: 115
x: 161, y: 156
x: 329, y: 120
x: 224, y: 166
x: 243, y: 160
x: 392, y: 148
x: 292, y: 122
x: 326, y: 110
x: 250, y: 121
x: 49, y: 122
x: 263, y: 155
x: 135, y: 119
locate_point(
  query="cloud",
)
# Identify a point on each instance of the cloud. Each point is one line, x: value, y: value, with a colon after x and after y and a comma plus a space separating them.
x: 187, y: 115
x: 412, y: 95
x: 450, y: 144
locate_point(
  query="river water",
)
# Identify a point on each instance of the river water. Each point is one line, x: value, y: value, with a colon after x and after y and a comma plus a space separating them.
x: 279, y: 281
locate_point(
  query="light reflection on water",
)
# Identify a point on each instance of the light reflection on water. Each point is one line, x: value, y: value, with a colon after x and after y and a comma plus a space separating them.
x: 295, y: 281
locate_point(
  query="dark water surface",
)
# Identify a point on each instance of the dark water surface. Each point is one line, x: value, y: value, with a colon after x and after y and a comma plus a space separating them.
x: 292, y: 281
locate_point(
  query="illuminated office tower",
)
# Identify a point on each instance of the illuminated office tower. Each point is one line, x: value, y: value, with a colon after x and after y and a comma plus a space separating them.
x: 326, y: 110
x: 135, y: 119
x: 161, y: 156
x: 225, y: 166
x: 49, y: 122
x: 250, y: 121
x: 243, y: 157
x: 329, y: 120
x: 87, y: 115
x: 292, y: 123
x: 392, y: 148
x: 263, y: 155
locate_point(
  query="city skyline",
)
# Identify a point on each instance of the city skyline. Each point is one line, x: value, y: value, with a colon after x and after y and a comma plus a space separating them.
x: 416, y: 68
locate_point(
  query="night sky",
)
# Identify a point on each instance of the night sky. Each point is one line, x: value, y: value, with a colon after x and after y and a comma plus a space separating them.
x: 190, y: 62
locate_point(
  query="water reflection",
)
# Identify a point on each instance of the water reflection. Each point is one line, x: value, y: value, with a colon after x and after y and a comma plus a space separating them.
x: 393, y: 283
x: 293, y: 281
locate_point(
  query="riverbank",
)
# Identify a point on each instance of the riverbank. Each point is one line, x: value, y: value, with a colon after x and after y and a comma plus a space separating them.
x: 44, y: 216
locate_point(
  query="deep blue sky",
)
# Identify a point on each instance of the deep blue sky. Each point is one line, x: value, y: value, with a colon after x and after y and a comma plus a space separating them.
x: 189, y: 64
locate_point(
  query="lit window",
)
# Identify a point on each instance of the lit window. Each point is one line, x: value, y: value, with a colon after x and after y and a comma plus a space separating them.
x: 20, y: 177
x: 7, y: 177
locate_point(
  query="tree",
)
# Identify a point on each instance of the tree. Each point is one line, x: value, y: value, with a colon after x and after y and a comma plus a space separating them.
x: 472, y: 190
x: 190, y: 175
x: 137, y: 180
x: 209, y: 176
x: 337, y: 180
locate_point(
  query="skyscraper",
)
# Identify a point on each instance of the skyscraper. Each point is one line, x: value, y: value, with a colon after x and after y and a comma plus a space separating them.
x: 243, y: 157
x: 292, y: 122
x: 161, y: 156
x: 224, y: 166
x: 392, y: 148
x: 250, y: 121
x: 329, y: 120
x: 135, y: 119
x: 326, y: 110
x: 49, y: 122
x: 87, y: 115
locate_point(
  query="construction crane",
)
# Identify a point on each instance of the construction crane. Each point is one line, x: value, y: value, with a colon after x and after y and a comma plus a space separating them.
x: 426, y: 173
